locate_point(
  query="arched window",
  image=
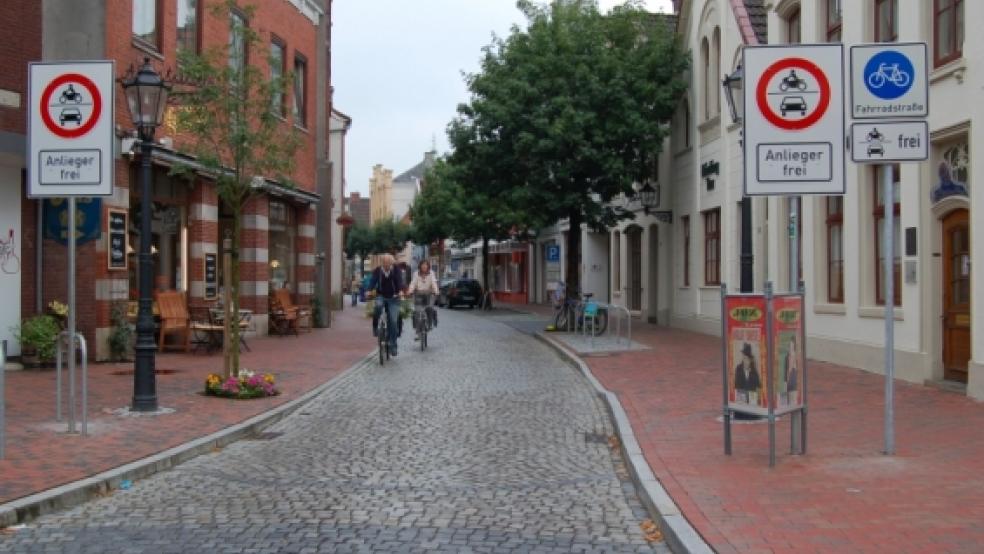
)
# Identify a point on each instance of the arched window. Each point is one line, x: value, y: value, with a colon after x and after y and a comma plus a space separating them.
x: 705, y: 60
x: 716, y: 65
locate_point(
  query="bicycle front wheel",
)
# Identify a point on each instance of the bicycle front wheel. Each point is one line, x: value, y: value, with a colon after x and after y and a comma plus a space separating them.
x: 563, y: 317
x: 601, y: 323
x: 382, y: 345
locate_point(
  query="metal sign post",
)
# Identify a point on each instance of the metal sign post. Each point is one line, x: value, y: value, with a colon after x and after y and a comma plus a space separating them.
x: 889, y: 87
x: 3, y: 392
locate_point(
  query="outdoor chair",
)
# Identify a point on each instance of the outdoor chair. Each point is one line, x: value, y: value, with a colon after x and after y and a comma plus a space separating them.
x: 283, y: 321
x: 174, y: 317
x: 301, y: 315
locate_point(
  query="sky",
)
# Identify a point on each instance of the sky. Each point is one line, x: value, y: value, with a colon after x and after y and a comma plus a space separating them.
x: 397, y: 71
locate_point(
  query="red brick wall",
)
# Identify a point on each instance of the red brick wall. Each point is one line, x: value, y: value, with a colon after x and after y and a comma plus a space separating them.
x: 20, y: 43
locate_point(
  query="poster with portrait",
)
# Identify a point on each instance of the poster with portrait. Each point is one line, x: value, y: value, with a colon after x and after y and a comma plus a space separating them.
x: 746, y: 359
x: 788, y: 352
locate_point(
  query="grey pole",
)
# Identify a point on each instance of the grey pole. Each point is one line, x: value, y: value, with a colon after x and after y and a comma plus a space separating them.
x: 3, y: 391
x: 726, y: 413
x: 794, y: 253
x: 888, y: 247
x: 71, y: 314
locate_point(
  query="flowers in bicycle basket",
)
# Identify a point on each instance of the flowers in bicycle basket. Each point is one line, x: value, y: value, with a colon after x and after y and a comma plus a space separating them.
x: 248, y: 384
x: 406, y: 308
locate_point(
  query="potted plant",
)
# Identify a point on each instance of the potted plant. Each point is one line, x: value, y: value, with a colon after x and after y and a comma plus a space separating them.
x: 37, y: 336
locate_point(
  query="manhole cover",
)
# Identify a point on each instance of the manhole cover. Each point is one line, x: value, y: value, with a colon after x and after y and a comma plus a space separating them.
x: 156, y: 372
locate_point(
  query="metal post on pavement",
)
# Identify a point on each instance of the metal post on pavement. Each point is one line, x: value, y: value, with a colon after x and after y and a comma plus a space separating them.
x: 3, y: 392
x: 888, y: 247
x: 71, y: 313
x: 726, y: 412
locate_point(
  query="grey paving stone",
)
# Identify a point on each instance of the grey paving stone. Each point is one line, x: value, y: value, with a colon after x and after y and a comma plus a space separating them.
x: 486, y: 442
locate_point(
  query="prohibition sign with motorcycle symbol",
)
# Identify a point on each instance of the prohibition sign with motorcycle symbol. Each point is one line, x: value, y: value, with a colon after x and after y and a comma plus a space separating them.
x: 70, y: 105
x: 793, y: 94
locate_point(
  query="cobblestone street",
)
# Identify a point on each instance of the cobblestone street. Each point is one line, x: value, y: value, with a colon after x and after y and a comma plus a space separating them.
x: 486, y: 442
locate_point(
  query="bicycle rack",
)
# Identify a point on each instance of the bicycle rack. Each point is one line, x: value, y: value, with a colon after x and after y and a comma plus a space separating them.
x: 628, y: 319
x: 84, y: 351
x: 3, y: 371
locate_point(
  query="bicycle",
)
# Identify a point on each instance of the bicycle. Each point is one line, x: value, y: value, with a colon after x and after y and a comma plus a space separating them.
x: 889, y: 73
x: 382, y: 335
x: 421, y: 320
x: 575, y: 312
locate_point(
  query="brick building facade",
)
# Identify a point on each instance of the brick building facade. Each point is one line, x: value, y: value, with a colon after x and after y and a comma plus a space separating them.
x: 278, y: 239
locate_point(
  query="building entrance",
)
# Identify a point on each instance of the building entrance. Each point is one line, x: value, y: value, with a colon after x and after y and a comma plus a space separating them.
x: 956, y: 295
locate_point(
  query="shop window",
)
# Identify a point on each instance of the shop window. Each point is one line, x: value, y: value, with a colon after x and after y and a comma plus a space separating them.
x: 834, y: 20
x: 188, y: 38
x: 712, y: 247
x: 886, y: 20
x: 282, y: 248
x: 300, y: 82
x: 878, y: 216
x: 169, y: 234
x: 145, y: 29
x: 278, y: 60
x: 948, y: 30
x: 835, y: 249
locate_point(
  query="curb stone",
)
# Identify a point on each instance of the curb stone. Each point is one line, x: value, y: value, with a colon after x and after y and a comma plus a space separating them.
x: 679, y: 534
x: 79, y: 492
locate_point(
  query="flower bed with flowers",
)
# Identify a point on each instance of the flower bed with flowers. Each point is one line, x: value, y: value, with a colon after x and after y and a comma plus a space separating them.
x: 248, y: 385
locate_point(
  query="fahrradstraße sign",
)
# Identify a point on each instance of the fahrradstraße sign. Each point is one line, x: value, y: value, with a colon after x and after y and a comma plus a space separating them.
x: 889, y: 80
x: 70, y: 129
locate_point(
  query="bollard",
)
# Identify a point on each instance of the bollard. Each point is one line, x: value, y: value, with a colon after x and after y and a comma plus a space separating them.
x: 64, y: 349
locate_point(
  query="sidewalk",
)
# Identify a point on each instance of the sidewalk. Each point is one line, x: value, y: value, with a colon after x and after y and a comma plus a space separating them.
x: 843, y: 496
x: 40, y: 455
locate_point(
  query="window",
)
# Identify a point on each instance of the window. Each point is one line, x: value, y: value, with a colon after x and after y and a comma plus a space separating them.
x: 686, y: 124
x: 145, y: 22
x: 793, y: 35
x: 713, y: 82
x: 281, y: 236
x: 237, y: 41
x: 277, y: 61
x: 834, y: 20
x: 685, y: 221
x: 879, y: 214
x: 835, y: 249
x: 300, y: 80
x: 948, y: 30
x: 187, y: 36
x: 886, y: 20
x: 712, y: 247
x: 705, y: 59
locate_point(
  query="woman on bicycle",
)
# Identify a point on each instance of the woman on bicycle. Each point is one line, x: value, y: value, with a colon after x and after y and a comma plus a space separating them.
x: 424, y: 281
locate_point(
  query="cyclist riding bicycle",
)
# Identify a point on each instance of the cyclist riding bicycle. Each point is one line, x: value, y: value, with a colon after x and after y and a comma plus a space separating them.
x: 387, y: 285
x: 425, y: 282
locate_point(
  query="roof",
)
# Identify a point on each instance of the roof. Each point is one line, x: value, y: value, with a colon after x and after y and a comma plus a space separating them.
x: 752, y: 16
x: 417, y: 172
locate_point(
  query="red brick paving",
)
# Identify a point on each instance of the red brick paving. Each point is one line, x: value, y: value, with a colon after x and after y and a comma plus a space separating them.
x: 40, y: 455
x: 843, y: 496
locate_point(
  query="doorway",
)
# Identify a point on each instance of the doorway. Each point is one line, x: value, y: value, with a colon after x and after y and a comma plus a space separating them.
x: 634, y: 237
x: 956, y: 295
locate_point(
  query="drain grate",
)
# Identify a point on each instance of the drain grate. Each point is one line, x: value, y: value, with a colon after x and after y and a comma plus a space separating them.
x: 266, y: 436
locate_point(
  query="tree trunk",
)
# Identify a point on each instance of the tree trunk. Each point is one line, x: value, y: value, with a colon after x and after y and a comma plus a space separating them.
x: 232, y: 307
x: 573, y: 277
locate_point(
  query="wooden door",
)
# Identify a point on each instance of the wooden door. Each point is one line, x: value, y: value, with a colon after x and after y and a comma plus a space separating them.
x: 956, y: 295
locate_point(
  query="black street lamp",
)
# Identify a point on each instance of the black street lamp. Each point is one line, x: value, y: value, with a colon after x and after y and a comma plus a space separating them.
x: 734, y: 94
x: 146, y: 96
x: 649, y: 198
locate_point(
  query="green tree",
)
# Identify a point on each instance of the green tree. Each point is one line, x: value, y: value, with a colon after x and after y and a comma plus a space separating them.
x: 389, y: 236
x: 359, y: 242
x: 573, y: 110
x: 235, y: 132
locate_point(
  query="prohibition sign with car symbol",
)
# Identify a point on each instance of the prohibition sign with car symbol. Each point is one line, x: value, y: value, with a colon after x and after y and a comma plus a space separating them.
x: 70, y: 105
x: 793, y: 94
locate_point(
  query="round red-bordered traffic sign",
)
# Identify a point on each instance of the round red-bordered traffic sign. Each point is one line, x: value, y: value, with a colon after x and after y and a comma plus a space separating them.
x: 762, y: 94
x: 82, y: 128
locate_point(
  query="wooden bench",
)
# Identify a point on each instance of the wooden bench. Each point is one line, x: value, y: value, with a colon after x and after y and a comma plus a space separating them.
x: 174, y: 317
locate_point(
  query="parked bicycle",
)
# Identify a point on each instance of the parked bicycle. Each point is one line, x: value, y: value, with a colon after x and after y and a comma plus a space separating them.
x: 577, y: 313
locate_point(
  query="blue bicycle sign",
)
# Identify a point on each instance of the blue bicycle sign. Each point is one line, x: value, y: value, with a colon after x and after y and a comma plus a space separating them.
x: 888, y: 75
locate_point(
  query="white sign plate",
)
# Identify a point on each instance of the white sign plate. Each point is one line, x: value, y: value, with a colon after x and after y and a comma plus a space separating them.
x: 794, y: 119
x: 889, y: 81
x: 890, y: 141
x: 70, y: 129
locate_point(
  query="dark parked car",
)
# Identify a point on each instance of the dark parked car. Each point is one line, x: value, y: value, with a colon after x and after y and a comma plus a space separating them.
x: 460, y: 292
